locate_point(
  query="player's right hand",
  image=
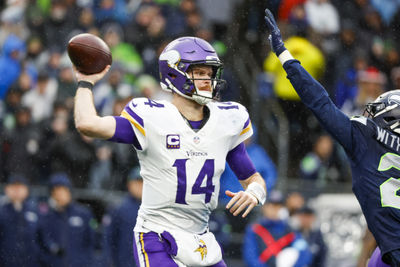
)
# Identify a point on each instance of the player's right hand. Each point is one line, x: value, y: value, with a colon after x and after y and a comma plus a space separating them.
x: 92, y: 78
x: 275, y: 37
x: 240, y: 201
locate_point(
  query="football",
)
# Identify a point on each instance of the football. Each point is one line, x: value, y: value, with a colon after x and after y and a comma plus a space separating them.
x: 89, y: 53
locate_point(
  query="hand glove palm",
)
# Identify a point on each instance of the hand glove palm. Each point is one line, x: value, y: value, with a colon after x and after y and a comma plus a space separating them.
x: 275, y: 37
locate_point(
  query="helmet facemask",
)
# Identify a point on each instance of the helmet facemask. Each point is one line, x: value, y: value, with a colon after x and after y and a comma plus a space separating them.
x: 385, y: 111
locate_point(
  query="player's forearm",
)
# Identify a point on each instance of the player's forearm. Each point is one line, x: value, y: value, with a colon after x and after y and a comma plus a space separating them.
x: 255, y: 178
x: 87, y: 121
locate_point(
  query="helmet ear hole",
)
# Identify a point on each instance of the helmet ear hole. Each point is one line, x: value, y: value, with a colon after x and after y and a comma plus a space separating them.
x: 172, y: 76
x: 389, y: 118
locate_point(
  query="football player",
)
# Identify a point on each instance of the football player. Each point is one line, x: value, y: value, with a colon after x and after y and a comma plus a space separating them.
x: 182, y: 147
x: 371, y: 142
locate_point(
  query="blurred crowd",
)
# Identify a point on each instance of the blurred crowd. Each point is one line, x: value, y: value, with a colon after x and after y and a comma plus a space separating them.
x: 57, y: 230
x: 37, y: 135
x: 350, y: 46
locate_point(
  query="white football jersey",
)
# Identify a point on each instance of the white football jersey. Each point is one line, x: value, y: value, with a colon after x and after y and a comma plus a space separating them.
x: 181, y: 168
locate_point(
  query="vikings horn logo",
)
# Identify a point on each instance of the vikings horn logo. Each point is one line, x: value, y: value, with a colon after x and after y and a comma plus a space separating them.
x: 202, y: 249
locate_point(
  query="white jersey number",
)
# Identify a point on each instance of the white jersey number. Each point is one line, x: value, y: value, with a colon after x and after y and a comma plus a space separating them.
x: 391, y: 186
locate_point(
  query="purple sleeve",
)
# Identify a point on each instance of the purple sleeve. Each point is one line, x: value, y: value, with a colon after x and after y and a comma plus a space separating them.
x: 240, y: 162
x: 124, y: 133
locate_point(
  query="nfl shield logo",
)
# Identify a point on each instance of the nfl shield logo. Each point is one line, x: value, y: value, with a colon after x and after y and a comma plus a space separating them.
x: 196, y: 140
x: 173, y: 141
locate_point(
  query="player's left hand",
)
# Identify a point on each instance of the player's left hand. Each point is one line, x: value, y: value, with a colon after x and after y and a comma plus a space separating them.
x: 240, y: 201
x: 275, y: 37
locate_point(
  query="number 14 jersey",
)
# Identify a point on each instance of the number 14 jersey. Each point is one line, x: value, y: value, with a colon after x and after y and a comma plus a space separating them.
x: 180, y: 167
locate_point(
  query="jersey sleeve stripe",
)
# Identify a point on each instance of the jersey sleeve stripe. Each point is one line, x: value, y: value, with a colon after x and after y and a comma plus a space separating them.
x: 246, y: 124
x: 132, y: 120
x: 245, y: 130
x: 135, y: 116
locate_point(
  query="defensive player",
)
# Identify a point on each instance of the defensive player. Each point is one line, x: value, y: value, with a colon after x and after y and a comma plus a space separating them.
x: 372, y: 144
x: 182, y: 148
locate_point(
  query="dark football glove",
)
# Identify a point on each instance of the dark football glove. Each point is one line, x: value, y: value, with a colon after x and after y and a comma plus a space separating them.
x: 275, y: 37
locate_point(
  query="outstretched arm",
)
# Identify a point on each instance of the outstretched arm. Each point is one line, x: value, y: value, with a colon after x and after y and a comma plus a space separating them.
x: 311, y: 92
x: 87, y: 121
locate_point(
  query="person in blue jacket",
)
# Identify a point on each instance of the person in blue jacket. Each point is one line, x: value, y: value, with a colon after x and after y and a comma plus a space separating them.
x: 372, y: 145
x: 66, y: 235
x: 119, y: 224
x: 18, y: 225
x: 10, y: 66
x: 271, y: 242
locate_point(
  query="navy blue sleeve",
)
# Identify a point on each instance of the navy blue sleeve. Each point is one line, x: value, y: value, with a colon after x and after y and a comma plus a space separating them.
x: 240, y: 162
x: 315, y: 97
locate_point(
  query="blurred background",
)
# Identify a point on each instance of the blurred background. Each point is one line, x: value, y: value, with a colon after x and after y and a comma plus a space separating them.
x: 350, y: 46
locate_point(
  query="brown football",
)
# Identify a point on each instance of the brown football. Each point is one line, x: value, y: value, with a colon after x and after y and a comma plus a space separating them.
x: 89, y: 53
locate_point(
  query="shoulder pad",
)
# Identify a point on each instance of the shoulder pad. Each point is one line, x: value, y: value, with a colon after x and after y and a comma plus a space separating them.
x: 366, y: 124
x: 360, y: 119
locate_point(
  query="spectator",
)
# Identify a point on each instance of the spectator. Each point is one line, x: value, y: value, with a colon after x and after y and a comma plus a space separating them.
x: 107, y: 92
x: 110, y: 11
x: 66, y: 234
x: 346, y: 84
x: 150, y: 88
x: 310, y: 56
x: 323, y: 16
x: 58, y: 24
x: 13, y: 101
x: 123, y: 52
x: 286, y: 6
x: 271, y: 242
x: 100, y: 173
x: 21, y: 146
x: 324, y: 162
x: 10, y: 62
x: 120, y: 222
x: 18, y: 225
x: 371, y: 83
x: 40, y: 100
x: 311, y: 232
x: 66, y: 83
x: 294, y: 202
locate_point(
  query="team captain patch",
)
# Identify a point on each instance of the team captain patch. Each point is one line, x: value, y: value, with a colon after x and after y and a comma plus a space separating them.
x: 173, y: 141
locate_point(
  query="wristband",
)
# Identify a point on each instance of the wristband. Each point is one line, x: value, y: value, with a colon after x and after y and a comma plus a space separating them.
x: 258, y: 191
x: 285, y: 56
x: 85, y: 84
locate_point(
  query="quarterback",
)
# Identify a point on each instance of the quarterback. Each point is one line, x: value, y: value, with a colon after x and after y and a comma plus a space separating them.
x: 182, y: 148
x: 371, y: 142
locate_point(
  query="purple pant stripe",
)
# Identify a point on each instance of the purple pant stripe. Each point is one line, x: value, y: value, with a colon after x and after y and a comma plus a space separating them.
x: 151, y: 245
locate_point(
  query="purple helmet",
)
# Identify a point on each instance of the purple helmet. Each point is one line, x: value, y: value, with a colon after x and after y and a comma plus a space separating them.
x: 175, y: 61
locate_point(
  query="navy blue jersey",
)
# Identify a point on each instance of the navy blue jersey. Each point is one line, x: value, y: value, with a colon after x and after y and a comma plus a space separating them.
x: 374, y: 154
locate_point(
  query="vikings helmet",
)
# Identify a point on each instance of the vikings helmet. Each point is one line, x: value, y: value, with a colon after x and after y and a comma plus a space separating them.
x: 385, y: 110
x: 175, y: 61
